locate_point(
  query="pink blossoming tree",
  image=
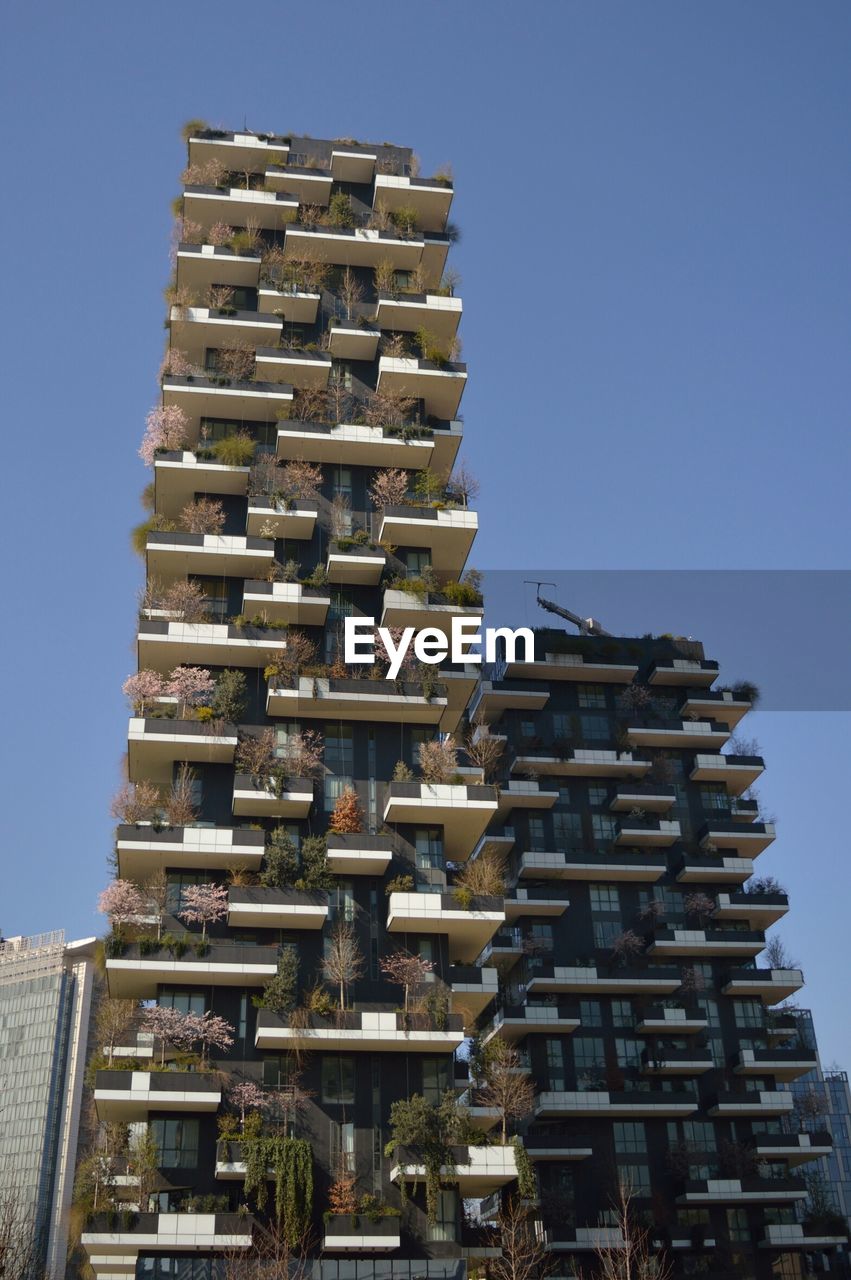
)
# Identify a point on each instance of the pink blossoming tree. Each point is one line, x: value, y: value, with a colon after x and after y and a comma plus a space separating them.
x: 122, y: 901
x: 190, y: 685
x: 165, y: 428
x: 204, y: 904
x: 246, y: 1095
x: 142, y: 687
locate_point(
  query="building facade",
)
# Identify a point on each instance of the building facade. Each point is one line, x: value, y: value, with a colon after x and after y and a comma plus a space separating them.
x: 343, y: 881
x: 45, y: 994
x: 825, y: 1092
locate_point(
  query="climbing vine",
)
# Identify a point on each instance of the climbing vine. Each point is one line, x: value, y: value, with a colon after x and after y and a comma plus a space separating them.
x: 291, y: 1163
x: 527, y: 1183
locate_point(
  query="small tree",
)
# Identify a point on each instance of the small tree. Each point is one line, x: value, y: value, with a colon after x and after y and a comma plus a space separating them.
x: 143, y: 1158
x: 315, y: 875
x: 463, y: 485
x: 246, y: 1095
x: 281, y: 991
x: 523, y: 1253
x: 633, y: 1258
x: 136, y: 802
x: 211, y: 1032
x: 389, y: 488
x: 299, y: 653
x: 144, y: 686
x: 156, y: 892
x: 169, y: 1026
x: 351, y: 292
x: 347, y: 816
x: 342, y: 1198
x: 300, y: 481
x: 810, y: 1108
x: 165, y: 428
x: 626, y: 946
x: 301, y: 755
x: 700, y: 905
x: 191, y: 686
x: 180, y: 807
x: 505, y: 1086
x: 776, y: 956
x: 114, y: 1020
x: 342, y: 963
x: 204, y: 904
x: 485, y: 750
x: 229, y: 698
x: 438, y: 759
x: 203, y: 515
x: 255, y: 755
x: 408, y: 971
x: 183, y: 600
x: 483, y: 876
x: 122, y: 902
x: 280, y: 860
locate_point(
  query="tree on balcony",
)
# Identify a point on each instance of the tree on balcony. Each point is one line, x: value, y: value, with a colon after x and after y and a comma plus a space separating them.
x: 114, y: 1020
x: 190, y: 686
x: 179, y: 805
x: 144, y: 686
x: 633, y: 1257
x: 122, y: 902
x: 245, y: 1096
x: 202, y: 515
x: 136, y: 802
x: 165, y: 428
x: 229, y: 698
x: 347, y: 816
x: 342, y: 963
x: 203, y: 904
x: 485, y: 750
x: 523, y: 1253
x: 389, y: 488
x: 505, y: 1085
x: 700, y: 905
x: 408, y: 971
x: 426, y: 1132
x: 438, y: 759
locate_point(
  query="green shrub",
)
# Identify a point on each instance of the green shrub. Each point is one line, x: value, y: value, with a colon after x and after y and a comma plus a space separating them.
x: 235, y: 451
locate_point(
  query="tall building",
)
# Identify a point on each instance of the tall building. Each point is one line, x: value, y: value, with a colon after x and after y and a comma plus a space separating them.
x: 45, y: 994
x: 824, y: 1095
x: 335, y: 892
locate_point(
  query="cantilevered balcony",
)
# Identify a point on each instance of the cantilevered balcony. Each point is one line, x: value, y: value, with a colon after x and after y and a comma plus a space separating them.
x: 113, y: 1246
x: 288, y: 602
x: 127, y: 1096
x: 722, y: 706
x: 162, y: 646
x: 629, y: 1103
x: 466, y: 928
x: 522, y: 793
x: 404, y: 609
x: 695, y: 868
x: 650, y: 797
x: 582, y: 762
x: 549, y: 901
x: 782, y: 1064
x: 219, y: 397
x: 354, y: 246
x: 727, y: 1104
x: 349, y: 340
x: 137, y: 976
x: 742, y: 1191
x: 296, y: 519
x: 176, y: 555
x: 759, y: 909
x: 236, y: 207
x: 795, y: 1148
x: 195, y: 329
x: 572, y: 666
x: 373, y: 1031
x: 372, y: 700
x: 665, y: 1061
x: 463, y: 811
x: 154, y: 746
x: 429, y: 197
x: 296, y: 306
x: 267, y: 798
x: 654, y: 980
x: 736, y: 772
x: 645, y: 868
x: 705, y: 942
x: 544, y: 1147
x: 255, y: 907
x: 655, y: 833
x: 355, y: 565
x: 407, y: 312
x: 143, y: 850
x: 747, y: 838
x: 679, y: 1020
x: 473, y: 988
x: 447, y: 534
x: 477, y: 1171
x: 180, y: 475
x: 358, y: 1233
x: 231, y: 1161
x: 238, y: 152
x: 359, y: 855
x: 357, y: 444
x: 439, y: 386
x: 504, y: 950
x: 201, y: 265
x: 706, y: 734
x: 771, y: 985
x: 794, y: 1235
x: 353, y: 163
x: 566, y: 1239
x: 493, y: 697
x: 294, y: 365
x: 683, y: 671
x: 515, y: 1022
x: 311, y: 186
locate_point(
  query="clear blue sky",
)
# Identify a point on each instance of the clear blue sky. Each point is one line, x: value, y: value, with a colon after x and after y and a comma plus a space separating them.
x: 655, y: 207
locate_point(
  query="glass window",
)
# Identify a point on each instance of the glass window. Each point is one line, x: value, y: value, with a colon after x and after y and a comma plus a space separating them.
x: 444, y: 1226
x: 588, y: 1053
x: 590, y: 1013
x: 603, y: 826
x: 636, y: 1177
x: 628, y: 1051
x: 567, y: 829
x: 591, y: 695
x: 342, y: 1146
x: 555, y: 1064
x: 622, y: 1013
x: 595, y: 728
x: 537, y: 838
x: 749, y: 1013
x: 604, y: 897
x: 436, y: 1078
x: 737, y: 1225
x: 184, y: 1001
x: 605, y: 932
x: 338, y: 1079
x: 561, y: 725
x: 630, y: 1138
x: 428, y: 843
x: 598, y: 795
x: 177, y: 1143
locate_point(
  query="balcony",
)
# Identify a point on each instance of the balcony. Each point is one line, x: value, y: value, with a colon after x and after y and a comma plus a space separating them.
x: 473, y: 988
x: 354, y: 444
x: 572, y: 666
x: 543, y: 1147
x: 195, y: 329
x: 656, y: 833
x: 793, y: 1235
x: 231, y: 1164
x: 747, y: 838
x: 741, y: 1191
x: 406, y: 313
x: 439, y: 386
x: 254, y: 797
x: 575, y: 865
x: 631, y: 1104
x: 515, y: 1022
x: 430, y: 198
x: 736, y: 772
x: 524, y: 794
x: 759, y: 909
x: 588, y: 980
x: 245, y: 152
x: 651, y: 797
x: 294, y: 365
x: 349, y: 340
x: 694, y: 869
x: 134, y: 976
x: 354, y: 247
x: 581, y: 762
x: 357, y: 1233
x: 353, y: 164
x: 254, y: 907
x: 128, y: 1096
x: 548, y: 901
x: 296, y: 306
x: 143, y: 850
x: 466, y: 929
x: 404, y: 609
x: 201, y: 265
x: 477, y: 1171
x: 359, y: 855
x: 782, y: 1064
x: 236, y: 207
x: 167, y: 1232
x: 225, y: 398
x: 360, y: 566
x: 448, y: 534
x: 780, y: 1026
x: 311, y: 186
x: 756, y: 1102
x: 162, y: 646
x: 664, y: 1061
x: 504, y: 950
x: 180, y: 475
x: 796, y: 1148
x: 564, y: 1239
x: 723, y: 706
x: 705, y: 942
x: 463, y: 811
x: 291, y: 520
x: 374, y: 1031
x: 287, y: 602
x: 373, y: 700
x: 683, y: 671
x: 492, y: 698
x: 678, y: 734
x: 771, y: 985
x: 177, y: 555
x: 154, y: 746
x: 671, y: 1022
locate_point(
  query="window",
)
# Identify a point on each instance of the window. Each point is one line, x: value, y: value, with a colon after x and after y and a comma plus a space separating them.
x: 595, y: 728
x: 444, y: 1227
x: 737, y: 1225
x: 341, y: 903
x: 338, y: 1079
x: 588, y: 1054
x: 215, y: 595
x: 416, y: 563
x: 177, y: 1143
x: 427, y: 949
x: 622, y: 1013
x: 555, y: 1064
x: 630, y: 1138
x: 428, y: 843
x: 184, y: 1001
x: 527, y: 729
x: 628, y: 1051
x: 567, y: 829
x: 590, y: 1013
x: 339, y: 762
x: 592, y: 696
x: 177, y: 882
x: 604, y: 897
x: 537, y: 839
x: 436, y: 1078
x: 279, y: 1071
x: 561, y: 725
x: 713, y: 795
x: 598, y: 795
x: 342, y: 1146
x: 749, y: 1013
x: 636, y: 1177
x: 540, y: 936
x: 603, y: 826
x: 605, y: 932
